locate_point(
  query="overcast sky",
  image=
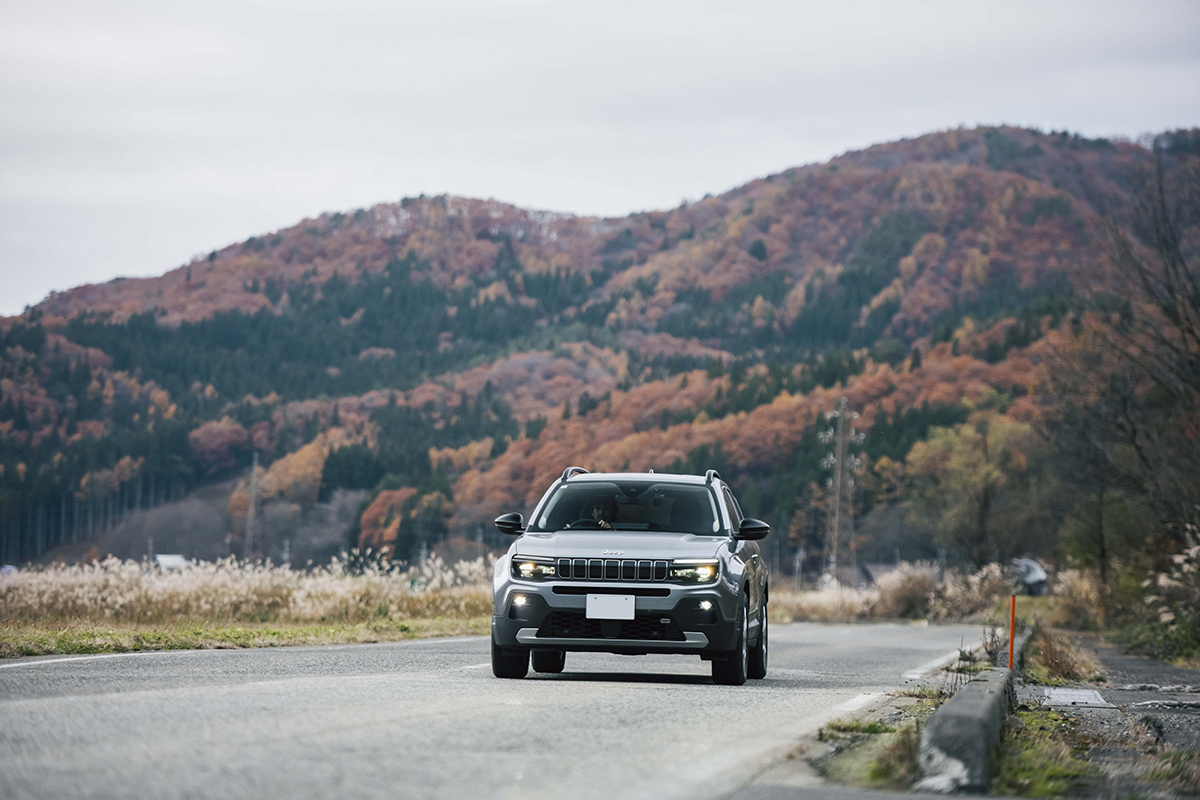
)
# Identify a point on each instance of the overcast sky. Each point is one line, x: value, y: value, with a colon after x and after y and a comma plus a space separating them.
x: 134, y: 135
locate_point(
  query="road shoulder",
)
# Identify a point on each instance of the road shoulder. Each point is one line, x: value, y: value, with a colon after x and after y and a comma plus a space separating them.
x: 1133, y: 732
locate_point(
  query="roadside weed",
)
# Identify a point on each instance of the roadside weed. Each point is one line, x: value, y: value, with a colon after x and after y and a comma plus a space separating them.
x: 1038, y: 756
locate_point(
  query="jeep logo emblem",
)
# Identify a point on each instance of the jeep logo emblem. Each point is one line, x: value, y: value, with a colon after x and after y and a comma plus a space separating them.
x: 613, y: 553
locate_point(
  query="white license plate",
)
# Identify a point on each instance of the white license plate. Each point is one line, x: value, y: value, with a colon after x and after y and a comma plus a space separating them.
x: 610, y: 606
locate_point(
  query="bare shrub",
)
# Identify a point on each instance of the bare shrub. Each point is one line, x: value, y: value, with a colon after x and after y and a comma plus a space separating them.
x: 1080, y: 604
x: 904, y: 593
x: 1053, y: 658
x: 994, y: 640
x: 1176, y: 594
x: 237, y: 591
x: 908, y: 592
x: 961, y: 596
x: 826, y: 605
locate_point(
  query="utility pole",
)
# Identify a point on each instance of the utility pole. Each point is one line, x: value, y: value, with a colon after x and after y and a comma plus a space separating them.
x: 842, y: 435
x: 250, y: 512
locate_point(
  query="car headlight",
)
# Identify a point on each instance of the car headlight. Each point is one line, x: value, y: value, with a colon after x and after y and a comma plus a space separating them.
x: 532, y: 569
x: 695, y: 570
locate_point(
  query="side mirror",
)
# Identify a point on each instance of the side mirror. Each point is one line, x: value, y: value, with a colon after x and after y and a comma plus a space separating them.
x: 753, y: 529
x: 512, y: 523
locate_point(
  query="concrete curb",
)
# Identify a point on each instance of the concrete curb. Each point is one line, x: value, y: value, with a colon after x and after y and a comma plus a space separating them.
x: 961, y: 737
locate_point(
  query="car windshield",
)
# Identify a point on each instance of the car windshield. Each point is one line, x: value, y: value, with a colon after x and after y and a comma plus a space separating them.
x: 630, y: 506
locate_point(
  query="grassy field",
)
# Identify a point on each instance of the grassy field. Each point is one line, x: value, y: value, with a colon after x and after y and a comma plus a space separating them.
x: 39, y: 639
x: 125, y: 605
x: 121, y: 606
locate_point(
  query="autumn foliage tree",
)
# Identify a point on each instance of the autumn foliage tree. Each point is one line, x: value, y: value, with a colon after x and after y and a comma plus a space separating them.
x: 969, y: 484
x: 472, y: 349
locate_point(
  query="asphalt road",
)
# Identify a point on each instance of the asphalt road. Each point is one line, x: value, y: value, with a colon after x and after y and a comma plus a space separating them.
x: 426, y: 719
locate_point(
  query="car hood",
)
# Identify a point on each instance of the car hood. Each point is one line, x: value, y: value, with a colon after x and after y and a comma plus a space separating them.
x: 606, y: 544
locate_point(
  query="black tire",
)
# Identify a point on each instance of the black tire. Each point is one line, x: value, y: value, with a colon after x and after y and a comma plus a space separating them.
x: 758, y: 653
x: 732, y: 671
x: 549, y: 660
x: 509, y: 663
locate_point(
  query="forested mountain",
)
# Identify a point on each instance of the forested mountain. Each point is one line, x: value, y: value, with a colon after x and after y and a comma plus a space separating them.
x: 453, y: 355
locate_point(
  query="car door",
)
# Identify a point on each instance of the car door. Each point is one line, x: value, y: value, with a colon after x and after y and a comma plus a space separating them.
x: 749, y: 553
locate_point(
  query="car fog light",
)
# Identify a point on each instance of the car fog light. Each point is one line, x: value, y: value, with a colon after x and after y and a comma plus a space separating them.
x: 519, y: 600
x: 705, y: 605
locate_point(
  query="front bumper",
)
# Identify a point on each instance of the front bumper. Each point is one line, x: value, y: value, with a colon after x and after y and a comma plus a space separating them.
x: 669, y: 618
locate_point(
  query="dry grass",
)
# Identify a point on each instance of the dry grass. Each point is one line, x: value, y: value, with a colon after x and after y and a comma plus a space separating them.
x: 1079, y: 605
x: 909, y: 592
x: 1179, y: 769
x: 1051, y: 659
x: 230, y: 591
x: 897, y: 765
x: 905, y: 593
x: 852, y: 726
x: 39, y: 639
x: 995, y: 640
x: 971, y: 595
x: 835, y: 604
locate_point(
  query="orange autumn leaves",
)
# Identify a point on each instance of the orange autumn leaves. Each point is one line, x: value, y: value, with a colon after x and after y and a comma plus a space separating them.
x: 627, y: 434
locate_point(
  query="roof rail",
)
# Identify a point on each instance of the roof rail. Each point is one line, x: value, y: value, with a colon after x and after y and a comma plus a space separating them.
x: 712, y: 473
x: 569, y: 471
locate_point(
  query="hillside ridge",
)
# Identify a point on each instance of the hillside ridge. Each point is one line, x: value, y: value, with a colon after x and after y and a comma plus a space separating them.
x: 448, y: 354
x: 342, y: 241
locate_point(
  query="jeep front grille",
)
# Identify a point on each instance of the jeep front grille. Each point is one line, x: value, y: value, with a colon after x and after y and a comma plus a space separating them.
x: 597, y: 569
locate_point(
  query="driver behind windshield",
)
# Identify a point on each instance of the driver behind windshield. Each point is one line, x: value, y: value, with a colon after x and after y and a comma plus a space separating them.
x: 600, y: 512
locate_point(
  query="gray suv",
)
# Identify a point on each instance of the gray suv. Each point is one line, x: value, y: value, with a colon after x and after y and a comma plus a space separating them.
x: 632, y: 563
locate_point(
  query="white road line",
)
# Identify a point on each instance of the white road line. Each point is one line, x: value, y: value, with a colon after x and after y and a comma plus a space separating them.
x: 436, y: 640
x: 69, y: 658
x: 931, y: 666
x: 38, y: 662
x: 855, y: 703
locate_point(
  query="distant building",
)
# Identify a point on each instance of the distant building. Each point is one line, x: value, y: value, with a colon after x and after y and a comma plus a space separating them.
x: 169, y: 561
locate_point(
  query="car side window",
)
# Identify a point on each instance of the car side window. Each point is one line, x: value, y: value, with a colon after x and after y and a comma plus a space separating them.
x: 741, y: 514
x: 735, y: 513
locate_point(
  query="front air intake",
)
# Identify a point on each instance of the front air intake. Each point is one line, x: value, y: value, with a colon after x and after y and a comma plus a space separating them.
x: 643, y: 628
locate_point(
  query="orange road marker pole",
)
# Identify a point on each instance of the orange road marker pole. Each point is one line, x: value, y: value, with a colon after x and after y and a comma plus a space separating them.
x: 1012, y: 628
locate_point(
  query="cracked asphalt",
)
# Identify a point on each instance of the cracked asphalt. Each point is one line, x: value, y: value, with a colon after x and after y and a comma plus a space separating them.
x: 426, y: 719
x: 1143, y: 686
